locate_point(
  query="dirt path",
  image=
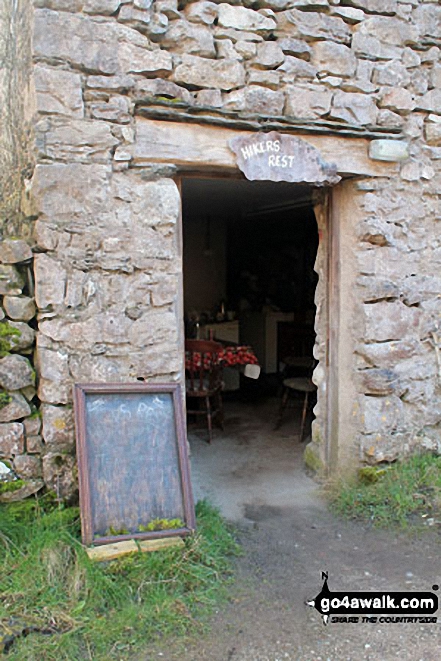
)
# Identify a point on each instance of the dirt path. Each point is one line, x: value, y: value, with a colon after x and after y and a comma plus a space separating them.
x: 256, y: 474
x: 267, y: 619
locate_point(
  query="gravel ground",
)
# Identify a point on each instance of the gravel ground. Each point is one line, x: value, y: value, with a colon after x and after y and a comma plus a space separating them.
x: 288, y: 539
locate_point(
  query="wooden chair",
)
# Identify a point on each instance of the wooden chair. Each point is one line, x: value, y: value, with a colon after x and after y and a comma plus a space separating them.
x: 203, y: 380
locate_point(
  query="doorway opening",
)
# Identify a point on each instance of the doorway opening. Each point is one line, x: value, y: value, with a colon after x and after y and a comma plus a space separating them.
x: 249, y: 250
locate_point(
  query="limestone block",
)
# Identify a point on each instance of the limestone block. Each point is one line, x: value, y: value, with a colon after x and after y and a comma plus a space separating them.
x: 432, y: 133
x: 98, y: 368
x: 110, y: 326
x: 353, y: 108
x: 52, y: 365
x: 295, y: 47
x: 386, y: 321
x: 156, y: 326
x: 236, y: 35
x: 307, y: 104
x: 203, y: 11
x: 55, y: 393
x: 335, y: 59
x: 269, y: 55
x: 435, y: 76
x: 58, y: 91
x: 375, y: 289
x: 265, y: 78
x: 135, y: 17
x: 241, y: 18
x: 15, y: 372
x: 389, y: 119
x: 378, y: 381
x: 294, y: 68
x: 387, y: 7
x: 167, y: 7
x: 398, y: 99
x: 225, y: 49
x: 391, y: 31
x: 417, y: 288
x: 190, y: 38
x: 158, y: 26
x: 389, y: 354
x: 143, y: 4
x: 45, y: 235
x: 383, y: 447
x: 59, y: 473
x: 389, y: 150
x: 78, y: 40
x: 34, y: 444
x: 310, y: 4
x: 349, y: 14
x: 255, y: 99
x: 106, y: 7
x: 134, y: 59
x: 11, y: 280
x: 428, y: 19
x: 62, y: 191
x: 245, y: 49
x: 392, y: 73
x: 19, y: 308
x: 26, y: 338
x: 58, y: 426
x: 365, y: 45
x: 120, y: 83
x: 76, y: 140
x: 380, y: 414
x: 312, y: 26
x: 117, y: 109
x: 211, y: 98
x: 11, y: 439
x: 13, y: 251
x: 200, y: 72
x: 148, y: 88
x: 27, y: 467
x: 63, y: 5
x: 430, y: 101
x: 16, y: 409
x: 50, y: 281
x: 156, y: 359
x: 165, y: 291
x: 32, y: 427
x: 410, y: 59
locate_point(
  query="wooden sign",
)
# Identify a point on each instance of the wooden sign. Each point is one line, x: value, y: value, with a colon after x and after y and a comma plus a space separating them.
x: 134, y: 476
x: 280, y: 157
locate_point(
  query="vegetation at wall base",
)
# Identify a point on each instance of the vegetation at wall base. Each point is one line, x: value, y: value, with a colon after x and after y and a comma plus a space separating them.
x: 57, y: 605
x: 405, y: 494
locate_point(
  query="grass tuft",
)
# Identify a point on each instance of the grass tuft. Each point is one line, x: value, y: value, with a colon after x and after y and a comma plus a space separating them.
x: 404, y: 494
x: 103, y: 610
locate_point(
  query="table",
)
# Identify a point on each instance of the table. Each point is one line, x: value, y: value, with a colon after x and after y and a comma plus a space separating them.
x: 230, y: 356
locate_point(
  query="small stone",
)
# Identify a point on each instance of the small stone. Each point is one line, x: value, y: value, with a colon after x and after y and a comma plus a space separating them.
x: 34, y: 444
x: 398, y: 99
x: 26, y: 337
x: 379, y: 381
x: 309, y: 4
x: 387, y: 321
x: 135, y: 17
x: 110, y: 83
x: 294, y: 68
x: 58, y: 91
x: 29, y: 489
x: 432, y: 133
x: 168, y: 7
x: 295, y: 47
x: 117, y: 110
x: 16, y: 372
x: 201, y: 72
x: 389, y: 150
x: 265, y: 78
x: 204, y: 12
x: 11, y: 439
x: 391, y: 31
x: 269, y: 55
x: 245, y: 49
x: 307, y: 104
x: 255, y: 99
x: 11, y: 280
x: 16, y: 409
x: 50, y: 281
x: 27, y: 467
x: 164, y: 88
x: 211, y: 98
x: 241, y: 18
x: 335, y: 59
x: 430, y: 101
x: 392, y: 73
x: 19, y: 308
x: 353, y: 108
x: 189, y: 38
x: 59, y: 473
x: 14, y: 251
x: 349, y: 14
x: 389, y: 119
x: 32, y: 425
x: 106, y: 7
x: 58, y: 426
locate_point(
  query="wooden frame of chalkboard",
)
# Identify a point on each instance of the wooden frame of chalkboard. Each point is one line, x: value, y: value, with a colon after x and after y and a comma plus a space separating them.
x: 133, y: 465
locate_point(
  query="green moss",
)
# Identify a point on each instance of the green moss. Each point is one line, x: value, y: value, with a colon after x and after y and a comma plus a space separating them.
x: 5, y: 398
x: 7, y: 332
x: 162, y: 524
x: 9, y: 487
x: 312, y: 460
x: 370, y: 474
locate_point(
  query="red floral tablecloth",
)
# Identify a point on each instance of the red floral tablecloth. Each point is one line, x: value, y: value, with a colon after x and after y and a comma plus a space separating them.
x: 229, y: 356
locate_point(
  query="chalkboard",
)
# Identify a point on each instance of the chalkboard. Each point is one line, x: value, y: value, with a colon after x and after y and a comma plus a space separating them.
x: 134, y: 477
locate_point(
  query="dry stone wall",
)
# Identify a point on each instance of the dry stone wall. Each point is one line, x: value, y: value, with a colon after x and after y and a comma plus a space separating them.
x: 106, y: 239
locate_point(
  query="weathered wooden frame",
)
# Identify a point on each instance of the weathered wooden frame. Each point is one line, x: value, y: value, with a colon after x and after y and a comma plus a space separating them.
x: 80, y: 394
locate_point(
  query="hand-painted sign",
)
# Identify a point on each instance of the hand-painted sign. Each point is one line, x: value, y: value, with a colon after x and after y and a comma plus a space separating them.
x: 280, y: 157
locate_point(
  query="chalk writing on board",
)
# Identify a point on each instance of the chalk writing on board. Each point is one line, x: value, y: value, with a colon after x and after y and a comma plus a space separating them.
x: 134, y: 467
